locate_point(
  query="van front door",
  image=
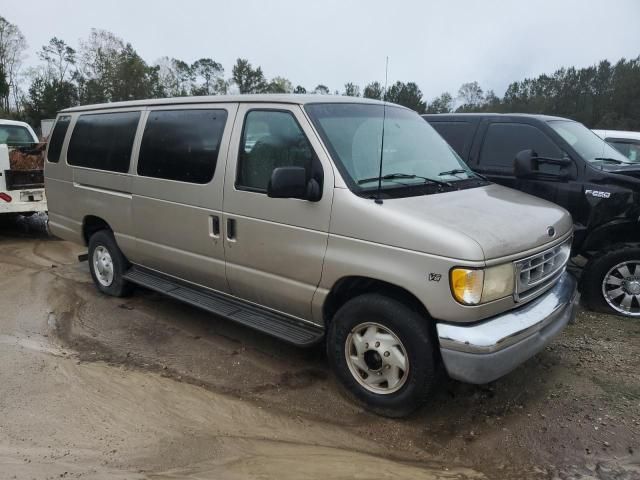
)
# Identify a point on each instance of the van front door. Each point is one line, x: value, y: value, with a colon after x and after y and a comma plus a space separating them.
x: 274, y: 247
x: 177, y: 193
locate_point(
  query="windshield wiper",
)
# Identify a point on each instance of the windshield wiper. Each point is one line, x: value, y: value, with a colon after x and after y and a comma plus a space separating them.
x: 614, y: 160
x: 458, y: 171
x: 397, y: 176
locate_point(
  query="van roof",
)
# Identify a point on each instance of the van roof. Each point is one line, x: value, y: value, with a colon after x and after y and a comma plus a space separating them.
x: 246, y: 98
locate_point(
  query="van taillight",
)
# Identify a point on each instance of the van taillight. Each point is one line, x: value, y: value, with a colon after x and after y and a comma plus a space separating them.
x: 6, y: 197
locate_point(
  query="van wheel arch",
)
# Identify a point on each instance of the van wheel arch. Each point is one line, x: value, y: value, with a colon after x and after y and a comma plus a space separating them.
x: 348, y: 288
x: 92, y: 224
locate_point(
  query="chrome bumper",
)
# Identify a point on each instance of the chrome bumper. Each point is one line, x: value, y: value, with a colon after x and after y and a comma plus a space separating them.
x: 482, y: 352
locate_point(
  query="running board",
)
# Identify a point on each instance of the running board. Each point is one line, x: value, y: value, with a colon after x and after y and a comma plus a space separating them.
x: 285, y: 328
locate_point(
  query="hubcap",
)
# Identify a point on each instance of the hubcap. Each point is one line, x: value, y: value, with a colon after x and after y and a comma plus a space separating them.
x: 103, y: 265
x: 621, y: 288
x: 376, y: 358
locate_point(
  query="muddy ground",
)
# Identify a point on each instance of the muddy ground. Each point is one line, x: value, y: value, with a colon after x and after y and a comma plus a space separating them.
x: 146, y: 387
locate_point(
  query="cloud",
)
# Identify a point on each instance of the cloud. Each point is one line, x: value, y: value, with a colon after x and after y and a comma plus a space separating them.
x: 438, y: 45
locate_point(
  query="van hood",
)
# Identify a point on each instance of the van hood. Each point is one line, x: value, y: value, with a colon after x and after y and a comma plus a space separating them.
x: 474, y: 224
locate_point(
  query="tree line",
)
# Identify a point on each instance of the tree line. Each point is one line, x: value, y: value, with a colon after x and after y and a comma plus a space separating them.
x: 105, y: 68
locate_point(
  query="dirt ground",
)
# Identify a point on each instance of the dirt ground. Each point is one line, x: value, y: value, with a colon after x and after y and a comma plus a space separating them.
x: 149, y: 388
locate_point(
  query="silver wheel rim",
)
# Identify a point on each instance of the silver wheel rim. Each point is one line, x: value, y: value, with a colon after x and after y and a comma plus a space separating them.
x: 621, y: 288
x: 376, y: 358
x: 103, y: 266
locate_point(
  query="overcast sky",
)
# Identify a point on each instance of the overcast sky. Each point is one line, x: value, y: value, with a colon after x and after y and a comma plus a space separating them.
x: 437, y: 44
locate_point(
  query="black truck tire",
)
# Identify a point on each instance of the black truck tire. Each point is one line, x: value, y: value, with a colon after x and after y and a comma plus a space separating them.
x: 610, y: 281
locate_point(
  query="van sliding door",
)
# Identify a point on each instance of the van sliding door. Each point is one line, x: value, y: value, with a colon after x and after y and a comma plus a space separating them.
x: 178, y: 191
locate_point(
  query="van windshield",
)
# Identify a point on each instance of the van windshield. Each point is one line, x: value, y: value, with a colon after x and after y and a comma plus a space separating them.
x: 588, y: 145
x: 413, y: 153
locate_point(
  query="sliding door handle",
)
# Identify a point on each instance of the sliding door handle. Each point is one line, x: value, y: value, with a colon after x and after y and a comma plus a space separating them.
x: 231, y: 229
x: 214, y: 226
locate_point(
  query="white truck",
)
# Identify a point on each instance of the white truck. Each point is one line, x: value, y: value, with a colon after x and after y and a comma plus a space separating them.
x: 21, y: 176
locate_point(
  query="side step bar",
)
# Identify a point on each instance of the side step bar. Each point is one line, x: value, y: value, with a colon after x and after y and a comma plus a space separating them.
x: 285, y: 328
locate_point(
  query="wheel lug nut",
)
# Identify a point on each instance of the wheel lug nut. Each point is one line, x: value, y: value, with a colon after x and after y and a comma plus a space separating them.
x: 377, y: 344
x: 366, y: 345
x: 386, y: 354
x: 387, y: 367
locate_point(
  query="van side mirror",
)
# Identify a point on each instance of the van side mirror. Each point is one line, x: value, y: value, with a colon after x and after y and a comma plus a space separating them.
x: 291, y: 182
x: 527, y: 165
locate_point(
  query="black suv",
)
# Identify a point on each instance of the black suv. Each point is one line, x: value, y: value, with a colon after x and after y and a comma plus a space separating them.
x: 563, y: 161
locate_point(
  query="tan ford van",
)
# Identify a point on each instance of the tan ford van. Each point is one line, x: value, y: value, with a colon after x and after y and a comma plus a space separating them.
x: 317, y: 218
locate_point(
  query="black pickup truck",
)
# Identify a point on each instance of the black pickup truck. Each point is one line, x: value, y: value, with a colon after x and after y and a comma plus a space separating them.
x: 563, y: 161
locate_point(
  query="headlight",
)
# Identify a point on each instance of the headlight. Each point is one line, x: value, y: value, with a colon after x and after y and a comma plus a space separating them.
x: 475, y: 286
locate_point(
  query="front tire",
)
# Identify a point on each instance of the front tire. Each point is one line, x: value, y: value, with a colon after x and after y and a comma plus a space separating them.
x: 108, y: 264
x: 611, y: 282
x: 383, y: 353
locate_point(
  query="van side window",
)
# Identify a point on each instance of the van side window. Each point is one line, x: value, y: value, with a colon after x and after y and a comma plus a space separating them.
x: 57, y: 138
x: 182, y: 145
x: 103, y: 141
x: 457, y: 134
x: 504, y: 140
x: 270, y: 139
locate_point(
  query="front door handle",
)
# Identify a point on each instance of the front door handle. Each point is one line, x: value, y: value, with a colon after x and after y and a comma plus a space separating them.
x: 231, y: 229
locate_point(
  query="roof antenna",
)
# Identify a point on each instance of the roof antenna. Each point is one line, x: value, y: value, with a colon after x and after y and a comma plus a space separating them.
x: 384, y: 117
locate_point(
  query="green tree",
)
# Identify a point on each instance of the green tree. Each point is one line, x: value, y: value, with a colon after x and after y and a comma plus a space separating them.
x: 300, y: 89
x: 13, y: 46
x: 59, y: 59
x: 248, y: 79
x: 373, y: 90
x: 110, y: 70
x: 441, y: 104
x: 47, y: 96
x: 208, y: 76
x: 351, y: 90
x: 407, y: 95
x: 470, y: 95
x: 279, y: 85
x: 321, y: 90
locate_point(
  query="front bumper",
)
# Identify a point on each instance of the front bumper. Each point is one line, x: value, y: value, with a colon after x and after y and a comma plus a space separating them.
x: 485, y: 351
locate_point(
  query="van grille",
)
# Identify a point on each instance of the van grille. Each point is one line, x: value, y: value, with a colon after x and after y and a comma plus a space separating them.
x: 535, y: 273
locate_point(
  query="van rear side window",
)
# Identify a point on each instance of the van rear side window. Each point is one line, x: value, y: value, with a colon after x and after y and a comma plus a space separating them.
x: 103, y: 141
x: 57, y: 138
x: 182, y: 145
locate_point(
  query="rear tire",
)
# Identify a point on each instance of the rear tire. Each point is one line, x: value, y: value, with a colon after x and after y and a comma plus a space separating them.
x: 611, y: 282
x: 383, y: 353
x: 108, y: 265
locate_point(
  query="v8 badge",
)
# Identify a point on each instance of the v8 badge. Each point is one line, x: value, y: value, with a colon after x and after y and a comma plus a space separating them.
x: 435, y: 277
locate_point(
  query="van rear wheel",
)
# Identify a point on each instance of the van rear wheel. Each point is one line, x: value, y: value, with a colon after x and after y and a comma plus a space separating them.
x: 108, y: 264
x: 382, y: 352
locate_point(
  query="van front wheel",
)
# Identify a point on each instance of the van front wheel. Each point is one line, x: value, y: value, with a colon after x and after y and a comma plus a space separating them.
x: 107, y: 264
x: 382, y: 352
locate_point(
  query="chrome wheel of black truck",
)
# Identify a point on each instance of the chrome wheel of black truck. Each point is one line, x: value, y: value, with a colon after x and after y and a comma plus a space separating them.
x: 611, y: 282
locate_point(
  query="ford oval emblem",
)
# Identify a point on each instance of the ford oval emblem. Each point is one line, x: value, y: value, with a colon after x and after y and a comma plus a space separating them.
x: 551, y: 231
